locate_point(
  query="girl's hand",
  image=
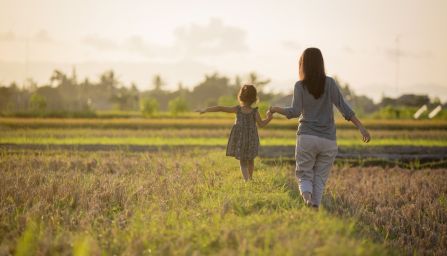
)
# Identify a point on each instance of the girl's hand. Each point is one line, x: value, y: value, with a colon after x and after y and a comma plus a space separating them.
x: 269, y: 114
x: 365, y: 135
x: 201, y: 111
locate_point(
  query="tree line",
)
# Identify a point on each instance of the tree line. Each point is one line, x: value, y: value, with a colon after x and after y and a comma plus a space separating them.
x: 65, y: 95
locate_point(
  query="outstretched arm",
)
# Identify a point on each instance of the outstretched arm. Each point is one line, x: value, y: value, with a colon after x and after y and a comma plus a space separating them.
x: 261, y: 123
x: 218, y: 109
x: 278, y: 110
x: 295, y: 108
x: 365, y: 134
x: 339, y: 101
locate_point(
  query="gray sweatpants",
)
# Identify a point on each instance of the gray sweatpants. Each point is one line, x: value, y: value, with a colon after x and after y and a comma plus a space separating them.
x: 314, y: 158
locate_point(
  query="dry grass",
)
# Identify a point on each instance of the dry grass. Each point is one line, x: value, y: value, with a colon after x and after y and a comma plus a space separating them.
x: 407, y: 209
x: 158, y: 203
x: 194, y: 202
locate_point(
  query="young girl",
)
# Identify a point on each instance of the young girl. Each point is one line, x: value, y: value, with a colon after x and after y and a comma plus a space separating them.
x: 243, y: 143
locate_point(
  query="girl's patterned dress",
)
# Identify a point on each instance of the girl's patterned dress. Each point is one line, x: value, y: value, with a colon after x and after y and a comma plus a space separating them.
x: 244, y: 140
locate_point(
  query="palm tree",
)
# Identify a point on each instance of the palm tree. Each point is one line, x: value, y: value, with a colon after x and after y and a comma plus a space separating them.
x: 58, y: 78
x: 109, y: 80
x: 158, y: 83
x: 254, y: 79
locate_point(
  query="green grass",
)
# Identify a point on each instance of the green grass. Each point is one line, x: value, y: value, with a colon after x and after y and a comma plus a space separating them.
x: 204, y: 141
x: 184, y: 201
x: 203, y: 122
x: 218, y: 132
x: 191, y: 202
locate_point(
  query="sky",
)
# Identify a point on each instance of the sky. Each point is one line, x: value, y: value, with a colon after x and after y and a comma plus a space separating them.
x: 380, y: 48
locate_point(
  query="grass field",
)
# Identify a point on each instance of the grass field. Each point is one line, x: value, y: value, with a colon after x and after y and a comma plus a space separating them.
x: 202, y: 122
x: 202, y: 141
x: 196, y: 202
x: 200, y: 132
x: 193, y: 200
x: 158, y: 203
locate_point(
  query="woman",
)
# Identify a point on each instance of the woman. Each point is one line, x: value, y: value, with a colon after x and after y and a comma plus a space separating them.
x: 316, y: 145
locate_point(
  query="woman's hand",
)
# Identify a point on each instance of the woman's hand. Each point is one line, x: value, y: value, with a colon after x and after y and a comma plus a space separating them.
x: 365, y: 135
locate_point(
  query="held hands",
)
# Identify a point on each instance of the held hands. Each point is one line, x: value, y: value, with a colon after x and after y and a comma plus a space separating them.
x: 269, y: 112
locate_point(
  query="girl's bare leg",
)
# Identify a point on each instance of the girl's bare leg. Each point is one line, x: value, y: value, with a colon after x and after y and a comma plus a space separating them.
x: 244, y: 169
x: 251, y: 168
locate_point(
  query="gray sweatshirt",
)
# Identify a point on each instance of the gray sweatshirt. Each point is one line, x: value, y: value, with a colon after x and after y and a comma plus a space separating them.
x: 316, y: 116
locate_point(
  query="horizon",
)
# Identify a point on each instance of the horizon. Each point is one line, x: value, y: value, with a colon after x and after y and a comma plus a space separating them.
x: 190, y: 87
x: 379, y: 48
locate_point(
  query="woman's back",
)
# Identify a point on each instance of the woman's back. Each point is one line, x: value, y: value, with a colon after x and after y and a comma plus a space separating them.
x: 316, y: 115
x: 316, y: 146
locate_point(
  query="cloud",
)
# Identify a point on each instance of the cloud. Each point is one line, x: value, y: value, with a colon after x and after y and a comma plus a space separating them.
x: 215, y: 38
x: 100, y: 43
x: 7, y: 36
x: 134, y: 44
x: 138, y: 45
x: 42, y: 36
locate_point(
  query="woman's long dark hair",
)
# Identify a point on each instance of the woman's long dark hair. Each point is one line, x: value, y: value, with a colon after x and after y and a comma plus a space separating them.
x: 312, y: 71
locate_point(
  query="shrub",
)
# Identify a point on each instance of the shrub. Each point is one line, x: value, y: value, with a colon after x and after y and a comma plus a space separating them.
x: 263, y: 107
x: 177, y: 106
x: 227, y: 101
x: 37, y: 103
x: 149, y: 106
x: 390, y: 112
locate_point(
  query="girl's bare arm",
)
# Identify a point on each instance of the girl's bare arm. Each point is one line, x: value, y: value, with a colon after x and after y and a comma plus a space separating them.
x: 218, y: 109
x: 261, y: 123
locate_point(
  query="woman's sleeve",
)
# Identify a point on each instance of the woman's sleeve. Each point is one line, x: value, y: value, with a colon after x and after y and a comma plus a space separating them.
x: 296, y: 107
x: 339, y: 101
